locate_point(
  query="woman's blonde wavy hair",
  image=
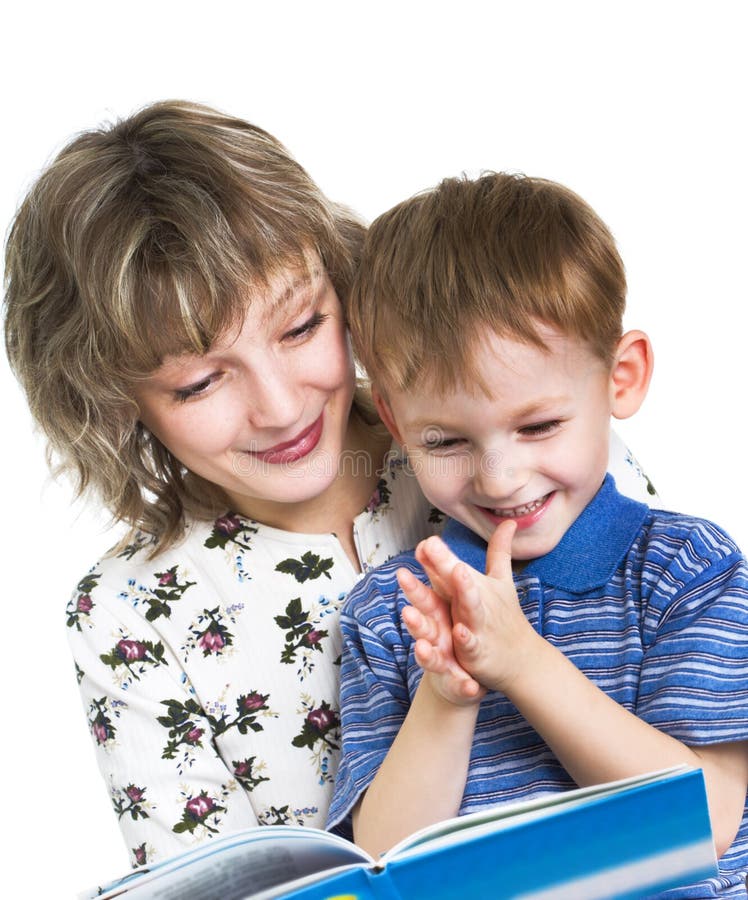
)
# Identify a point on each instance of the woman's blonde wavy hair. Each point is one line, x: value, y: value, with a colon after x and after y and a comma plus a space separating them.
x: 141, y: 239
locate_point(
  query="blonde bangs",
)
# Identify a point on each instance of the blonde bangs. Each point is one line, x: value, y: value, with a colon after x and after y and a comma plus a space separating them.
x: 145, y: 239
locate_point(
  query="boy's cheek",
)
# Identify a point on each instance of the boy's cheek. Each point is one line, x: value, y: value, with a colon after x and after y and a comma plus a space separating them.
x: 440, y: 484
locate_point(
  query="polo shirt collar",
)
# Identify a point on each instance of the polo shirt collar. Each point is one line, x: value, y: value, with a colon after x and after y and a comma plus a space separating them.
x: 586, y: 556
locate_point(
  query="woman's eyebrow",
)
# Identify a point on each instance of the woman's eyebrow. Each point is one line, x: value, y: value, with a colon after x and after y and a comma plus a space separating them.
x: 293, y: 295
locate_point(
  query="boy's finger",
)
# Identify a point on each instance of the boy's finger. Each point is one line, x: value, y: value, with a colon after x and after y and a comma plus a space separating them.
x: 465, y: 641
x: 470, y: 689
x: 499, y: 551
x: 467, y: 608
x: 437, y: 582
x: 428, y: 657
x: 438, y: 555
x: 418, y: 625
x: 416, y: 592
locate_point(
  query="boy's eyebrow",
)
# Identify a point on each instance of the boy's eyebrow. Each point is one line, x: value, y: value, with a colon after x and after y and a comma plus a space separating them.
x: 539, y: 406
x: 527, y: 411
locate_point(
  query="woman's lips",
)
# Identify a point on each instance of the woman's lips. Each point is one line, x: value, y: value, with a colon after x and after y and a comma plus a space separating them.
x: 297, y: 448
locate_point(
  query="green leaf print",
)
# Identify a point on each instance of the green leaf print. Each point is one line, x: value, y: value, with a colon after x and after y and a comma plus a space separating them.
x: 168, y: 591
x: 140, y: 540
x: 244, y: 772
x: 182, y: 720
x: 130, y: 800
x: 300, y: 631
x: 309, y: 567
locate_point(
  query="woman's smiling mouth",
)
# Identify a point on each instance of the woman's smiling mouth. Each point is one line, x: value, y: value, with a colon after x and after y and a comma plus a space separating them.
x: 297, y: 448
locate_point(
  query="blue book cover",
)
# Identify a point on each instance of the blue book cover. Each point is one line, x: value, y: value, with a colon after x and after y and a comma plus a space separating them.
x: 627, y: 839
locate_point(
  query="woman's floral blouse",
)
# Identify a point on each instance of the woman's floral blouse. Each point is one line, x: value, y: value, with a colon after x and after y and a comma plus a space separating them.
x: 209, y: 674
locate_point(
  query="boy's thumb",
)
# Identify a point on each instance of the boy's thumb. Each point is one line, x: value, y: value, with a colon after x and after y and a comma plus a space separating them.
x: 499, y: 551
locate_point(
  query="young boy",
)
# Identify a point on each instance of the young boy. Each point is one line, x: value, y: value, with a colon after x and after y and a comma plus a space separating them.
x: 605, y: 639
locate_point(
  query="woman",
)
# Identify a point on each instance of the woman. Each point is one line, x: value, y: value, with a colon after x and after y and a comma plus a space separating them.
x: 174, y: 289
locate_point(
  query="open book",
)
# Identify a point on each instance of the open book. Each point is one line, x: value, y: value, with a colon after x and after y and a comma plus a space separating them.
x: 626, y: 839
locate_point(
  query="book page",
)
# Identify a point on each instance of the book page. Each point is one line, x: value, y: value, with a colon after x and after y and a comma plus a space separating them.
x: 244, y: 863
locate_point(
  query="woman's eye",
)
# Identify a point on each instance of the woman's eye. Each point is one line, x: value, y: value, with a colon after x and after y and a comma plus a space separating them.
x: 307, y: 328
x: 540, y: 428
x: 194, y: 390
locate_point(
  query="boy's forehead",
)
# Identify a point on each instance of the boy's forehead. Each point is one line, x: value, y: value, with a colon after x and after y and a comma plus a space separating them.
x: 510, y: 375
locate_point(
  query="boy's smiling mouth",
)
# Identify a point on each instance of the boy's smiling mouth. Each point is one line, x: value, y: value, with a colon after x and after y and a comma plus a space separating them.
x: 516, y: 511
x: 525, y: 515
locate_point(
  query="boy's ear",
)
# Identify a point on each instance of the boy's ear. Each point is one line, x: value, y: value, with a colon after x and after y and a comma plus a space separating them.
x: 385, y: 414
x: 631, y: 374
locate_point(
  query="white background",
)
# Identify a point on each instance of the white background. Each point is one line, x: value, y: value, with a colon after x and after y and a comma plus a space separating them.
x: 639, y: 106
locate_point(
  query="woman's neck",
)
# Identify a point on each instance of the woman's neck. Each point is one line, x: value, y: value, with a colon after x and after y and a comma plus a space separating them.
x: 333, y: 511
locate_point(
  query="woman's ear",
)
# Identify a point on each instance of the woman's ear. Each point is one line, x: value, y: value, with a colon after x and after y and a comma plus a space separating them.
x: 385, y: 414
x: 631, y: 374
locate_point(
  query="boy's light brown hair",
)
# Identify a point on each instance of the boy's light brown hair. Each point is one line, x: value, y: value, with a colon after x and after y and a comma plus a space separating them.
x: 141, y: 239
x: 499, y: 252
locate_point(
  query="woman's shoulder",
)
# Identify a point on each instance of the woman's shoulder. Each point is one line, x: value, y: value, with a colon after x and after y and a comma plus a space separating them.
x: 131, y: 574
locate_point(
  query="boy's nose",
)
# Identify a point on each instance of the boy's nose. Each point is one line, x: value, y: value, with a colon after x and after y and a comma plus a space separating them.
x: 499, y: 476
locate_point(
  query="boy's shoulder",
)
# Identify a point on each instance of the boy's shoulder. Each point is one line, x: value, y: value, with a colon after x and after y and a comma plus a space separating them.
x: 675, y: 531
x: 379, y: 586
x: 681, y: 552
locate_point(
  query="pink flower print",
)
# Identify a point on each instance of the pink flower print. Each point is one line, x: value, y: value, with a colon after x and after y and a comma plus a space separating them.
x: 313, y: 637
x: 252, y: 702
x: 194, y: 735
x: 100, y: 732
x: 84, y: 604
x: 167, y: 578
x: 228, y: 525
x: 140, y: 855
x: 196, y: 813
x: 211, y: 641
x: 135, y: 794
x: 380, y: 497
x: 322, y: 719
x: 131, y: 651
x: 320, y: 724
x: 376, y: 499
x: 200, y: 807
x: 243, y: 768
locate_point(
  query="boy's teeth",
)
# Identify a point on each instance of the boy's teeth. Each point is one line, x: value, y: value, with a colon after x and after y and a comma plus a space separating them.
x: 517, y: 511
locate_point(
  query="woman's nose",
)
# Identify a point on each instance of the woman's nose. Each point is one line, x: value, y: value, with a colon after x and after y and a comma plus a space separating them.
x: 275, y: 399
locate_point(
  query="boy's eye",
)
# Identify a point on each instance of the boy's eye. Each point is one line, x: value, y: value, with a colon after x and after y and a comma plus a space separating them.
x: 307, y: 328
x: 540, y: 428
x: 433, y: 439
